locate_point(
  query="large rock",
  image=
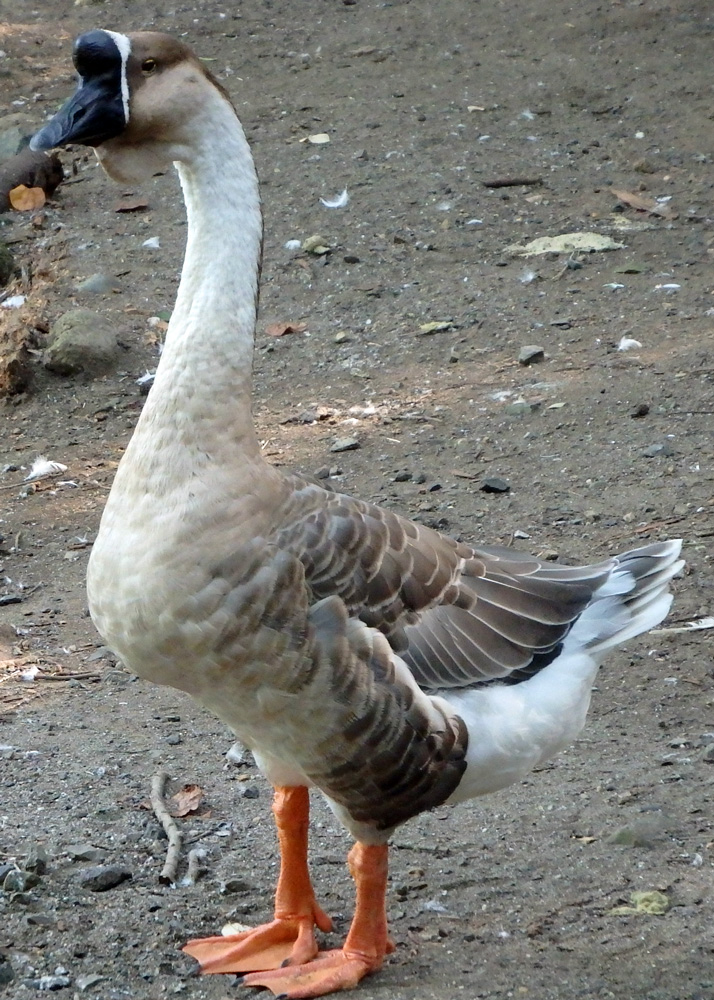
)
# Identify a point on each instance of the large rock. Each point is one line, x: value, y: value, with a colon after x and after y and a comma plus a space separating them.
x: 82, y: 341
x: 33, y: 169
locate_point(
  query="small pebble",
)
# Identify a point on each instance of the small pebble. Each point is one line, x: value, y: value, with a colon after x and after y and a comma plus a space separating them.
x: 307, y: 417
x: 47, y: 984
x: 6, y: 971
x: 494, y: 485
x: 5, y: 869
x: 97, y: 284
x: 519, y: 408
x: 86, y: 982
x: 233, y: 885
x: 103, y: 877
x: 36, y: 860
x: 708, y: 754
x: 344, y: 444
x: 85, y: 852
x: 17, y: 881
x: 173, y: 739
x: 41, y: 919
x: 251, y: 792
x: 403, y: 477
x: 641, y: 410
x: 663, y: 450
x: 635, y: 835
x: 550, y: 555
x: 531, y: 354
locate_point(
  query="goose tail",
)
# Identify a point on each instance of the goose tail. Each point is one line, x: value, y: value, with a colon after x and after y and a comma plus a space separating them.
x: 633, y: 599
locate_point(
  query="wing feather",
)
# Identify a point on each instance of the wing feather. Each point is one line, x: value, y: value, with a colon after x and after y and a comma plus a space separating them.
x: 459, y: 616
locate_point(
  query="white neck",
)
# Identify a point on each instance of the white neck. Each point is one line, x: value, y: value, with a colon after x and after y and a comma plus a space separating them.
x: 200, y: 404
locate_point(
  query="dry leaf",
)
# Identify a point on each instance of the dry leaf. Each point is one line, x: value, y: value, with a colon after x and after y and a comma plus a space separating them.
x: 25, y: 199
x: 643, y: 204
x: 280, y: 329
x: 186, y: 801
x: 426, y: 329
x: 131, y: 205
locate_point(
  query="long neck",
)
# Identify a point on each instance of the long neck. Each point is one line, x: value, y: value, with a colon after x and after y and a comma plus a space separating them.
x: 201, y: 397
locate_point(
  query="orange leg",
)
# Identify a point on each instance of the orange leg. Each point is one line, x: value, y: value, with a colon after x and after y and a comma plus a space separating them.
x: 290, y: 937
x: 366, y: 945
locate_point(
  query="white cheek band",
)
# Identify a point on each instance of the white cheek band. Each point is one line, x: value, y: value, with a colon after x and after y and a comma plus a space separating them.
x: 123, y: 43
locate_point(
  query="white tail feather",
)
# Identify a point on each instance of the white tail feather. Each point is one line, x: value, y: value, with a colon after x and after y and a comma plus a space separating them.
x: 633, y: 599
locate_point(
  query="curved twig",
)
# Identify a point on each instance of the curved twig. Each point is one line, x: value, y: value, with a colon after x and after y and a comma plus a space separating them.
x: 158, y: 784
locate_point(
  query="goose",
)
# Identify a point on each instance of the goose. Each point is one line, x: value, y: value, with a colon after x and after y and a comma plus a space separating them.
x: 353, y: 651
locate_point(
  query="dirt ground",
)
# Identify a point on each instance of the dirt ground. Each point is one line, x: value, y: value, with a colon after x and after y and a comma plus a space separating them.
x: 424, y: 104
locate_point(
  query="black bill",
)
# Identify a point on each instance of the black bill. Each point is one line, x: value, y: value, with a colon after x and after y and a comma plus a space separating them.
x: 99, y: 109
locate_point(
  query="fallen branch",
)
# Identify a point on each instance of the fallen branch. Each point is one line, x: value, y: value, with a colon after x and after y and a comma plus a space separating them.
x: 158, y: 784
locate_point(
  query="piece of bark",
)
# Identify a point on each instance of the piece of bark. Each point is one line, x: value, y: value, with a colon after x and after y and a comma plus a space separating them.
x: 33, y: 169
x: 15, y: 360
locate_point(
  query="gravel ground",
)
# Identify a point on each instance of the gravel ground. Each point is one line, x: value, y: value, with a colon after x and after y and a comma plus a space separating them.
x: 425, y: 105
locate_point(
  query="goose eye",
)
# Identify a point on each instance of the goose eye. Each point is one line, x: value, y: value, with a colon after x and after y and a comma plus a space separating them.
x: 148, y: 66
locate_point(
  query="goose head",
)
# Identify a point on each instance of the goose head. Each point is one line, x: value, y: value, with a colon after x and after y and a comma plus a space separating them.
x: 138, y: 101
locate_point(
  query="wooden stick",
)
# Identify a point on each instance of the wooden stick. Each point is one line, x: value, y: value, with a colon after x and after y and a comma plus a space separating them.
x: 504, y: 182
x: 68, y: 677
x: 158, y: 784
x: 196, y: 857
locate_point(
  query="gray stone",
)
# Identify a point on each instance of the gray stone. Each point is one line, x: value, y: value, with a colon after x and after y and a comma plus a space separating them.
x: 36, y: 860
x: 82, y: 341
x: 663, y: 450
x: 86, y: 982
x: 520, y: 408
x: 345, y: 444
x: 6, y: 971
x: 17, y: 881
x: 708, y: 754
x: 103, y: 877
x: 46, y: 984
x: 531, y: 354
x: 234, y: 885
x: 494, y: 485
x: 640, y: 832
x: 85, y: 852
x: 7, y: 264
x: 98, y: 284
x: 40, y: 919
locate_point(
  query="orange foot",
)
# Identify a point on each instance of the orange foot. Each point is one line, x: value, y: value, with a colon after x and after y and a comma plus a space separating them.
x: 329, y: 972
x: 366, y: 945
x: 286, y: 940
